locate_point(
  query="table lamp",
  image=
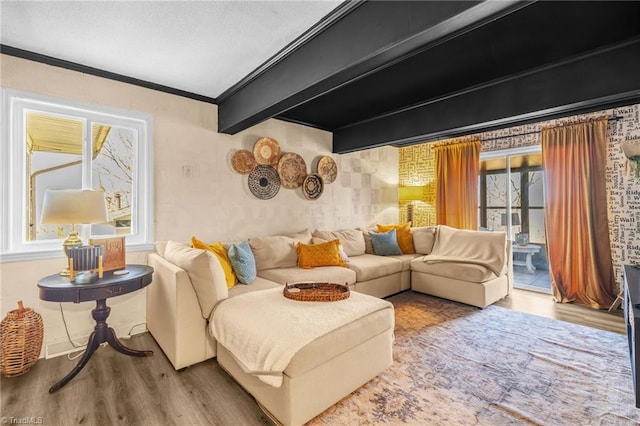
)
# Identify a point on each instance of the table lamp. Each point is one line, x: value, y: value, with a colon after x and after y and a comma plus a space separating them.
x: 411, y: 194
x: 73, y: 207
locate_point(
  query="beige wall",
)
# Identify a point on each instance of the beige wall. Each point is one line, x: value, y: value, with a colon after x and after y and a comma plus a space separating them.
x: 214, y: 203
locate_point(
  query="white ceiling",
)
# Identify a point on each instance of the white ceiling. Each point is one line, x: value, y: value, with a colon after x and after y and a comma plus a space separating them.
x: 203, y: 47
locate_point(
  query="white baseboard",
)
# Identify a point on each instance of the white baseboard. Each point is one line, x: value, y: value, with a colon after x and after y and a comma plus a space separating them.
x: 64, y: 347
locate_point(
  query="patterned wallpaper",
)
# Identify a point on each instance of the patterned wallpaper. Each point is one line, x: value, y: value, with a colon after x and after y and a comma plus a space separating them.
x: 417, y: 165
x: 417, y: 168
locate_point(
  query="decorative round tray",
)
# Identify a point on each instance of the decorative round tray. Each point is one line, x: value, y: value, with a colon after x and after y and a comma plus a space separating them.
x: 292, y: 170
x: 264, y: 182
x: 312, y: 186
x: 243, y: 161
x: 316, y: 292
x: 327, y: 169
x: 267, y: 151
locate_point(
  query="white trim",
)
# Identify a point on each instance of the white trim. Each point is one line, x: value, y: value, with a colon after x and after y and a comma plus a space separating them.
x: 59, y: 254
x: 510, y: 152
x: 13, y: 242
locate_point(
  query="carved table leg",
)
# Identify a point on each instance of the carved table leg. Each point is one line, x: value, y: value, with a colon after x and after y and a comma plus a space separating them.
x: 92, y: 345
x: 101, y: 333
x: 118, y: 346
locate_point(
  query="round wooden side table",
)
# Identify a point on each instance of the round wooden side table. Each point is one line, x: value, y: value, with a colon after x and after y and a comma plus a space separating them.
x: 58, y: 288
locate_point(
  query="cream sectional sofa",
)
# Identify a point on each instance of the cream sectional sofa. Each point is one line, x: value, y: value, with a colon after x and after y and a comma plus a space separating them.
x: 331, y: 367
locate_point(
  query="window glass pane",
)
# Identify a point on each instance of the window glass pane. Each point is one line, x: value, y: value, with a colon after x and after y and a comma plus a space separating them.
x: 535, y: 189
x: 494, y: 219
x: 496, y: 190
x: 53, y: 160
x: 536, y: 226
x: 523, y: 198
x: 113, y: 171
x: 516, y: 190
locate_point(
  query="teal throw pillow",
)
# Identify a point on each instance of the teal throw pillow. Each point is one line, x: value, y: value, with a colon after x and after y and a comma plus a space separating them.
x: 385, y: 243
x: 243, y: 262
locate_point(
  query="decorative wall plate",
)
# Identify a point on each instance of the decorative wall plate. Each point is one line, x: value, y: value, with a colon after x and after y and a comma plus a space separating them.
x: 327, y: 169
x: 292, y: 170
x: 312, y: 187
x: 264, y: 182
x: 266, y: 151
x: 243, y: 161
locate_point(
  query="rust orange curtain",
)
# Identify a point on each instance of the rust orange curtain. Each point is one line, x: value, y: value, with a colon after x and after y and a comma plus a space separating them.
x: 457, y: 167
x: 573, y: 159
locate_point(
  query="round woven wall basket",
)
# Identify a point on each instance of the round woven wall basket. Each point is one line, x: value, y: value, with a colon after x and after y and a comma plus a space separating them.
x: 21, y: 341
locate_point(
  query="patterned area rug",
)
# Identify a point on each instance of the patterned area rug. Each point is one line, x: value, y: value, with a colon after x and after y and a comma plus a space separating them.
x: 457, y: 365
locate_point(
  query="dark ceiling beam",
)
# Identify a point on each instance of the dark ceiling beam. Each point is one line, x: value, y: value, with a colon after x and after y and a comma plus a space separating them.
x: 598, y: 80
x: 366, y: 39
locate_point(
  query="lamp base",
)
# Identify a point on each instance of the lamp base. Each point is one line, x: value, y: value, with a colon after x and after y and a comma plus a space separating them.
x: 410, y: 213
x: 72, y: 240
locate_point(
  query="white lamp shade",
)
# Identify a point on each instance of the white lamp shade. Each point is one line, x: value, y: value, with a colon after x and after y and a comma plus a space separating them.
x: 73, y: 206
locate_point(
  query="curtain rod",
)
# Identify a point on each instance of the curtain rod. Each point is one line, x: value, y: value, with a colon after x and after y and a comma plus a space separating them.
x: 533, y: 132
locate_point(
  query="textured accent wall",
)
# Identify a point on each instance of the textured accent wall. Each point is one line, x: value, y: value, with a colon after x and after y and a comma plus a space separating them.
x: 416, y: 163
x: 417, y: 168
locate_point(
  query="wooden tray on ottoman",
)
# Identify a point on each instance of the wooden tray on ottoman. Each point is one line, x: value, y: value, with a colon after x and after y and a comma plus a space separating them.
x: 316, y: 292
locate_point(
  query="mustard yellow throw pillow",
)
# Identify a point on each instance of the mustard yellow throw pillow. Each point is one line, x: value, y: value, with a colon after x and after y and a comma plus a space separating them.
x: 403, y: 234
x: 324, y: 254
x: 218, y: 249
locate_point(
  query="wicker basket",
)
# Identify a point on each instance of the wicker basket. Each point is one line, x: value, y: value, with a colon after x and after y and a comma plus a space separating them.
x: 21, y: 341
x: 316, y: 292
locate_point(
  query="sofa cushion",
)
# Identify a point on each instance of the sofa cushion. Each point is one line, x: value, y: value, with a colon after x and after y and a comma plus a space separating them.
x: 161, y: 247
x: 423, y: 238
x: 403, y: 235
x: 405, y: 259
x: 385, y: 243
x: 352, y: 240
x: 368, y: 245
x: 302, y: 236
x: 221, y: 253
x: 370, y: 266
x: 339, y: 341
x: 321, y: 274
x: 323, y: 254
x: 242, y: 261
x: 456, y: 270
x: 205, y: 273
x: 343, y: 255
x: 257, y: 285
x: 276, y: 251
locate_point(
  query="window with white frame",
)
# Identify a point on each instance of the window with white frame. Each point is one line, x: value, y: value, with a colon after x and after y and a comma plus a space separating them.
x: 55, y: 144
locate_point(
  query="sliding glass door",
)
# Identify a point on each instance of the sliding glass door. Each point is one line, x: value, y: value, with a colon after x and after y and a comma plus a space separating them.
x: 511, y: 199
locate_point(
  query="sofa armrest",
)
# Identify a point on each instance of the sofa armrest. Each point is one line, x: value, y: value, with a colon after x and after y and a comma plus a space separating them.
x: 173, y: 315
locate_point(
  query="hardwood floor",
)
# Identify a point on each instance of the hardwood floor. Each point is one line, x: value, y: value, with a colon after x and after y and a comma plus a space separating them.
x: 114, y: 389
x: 543, y: 305
x: 117, y: 389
